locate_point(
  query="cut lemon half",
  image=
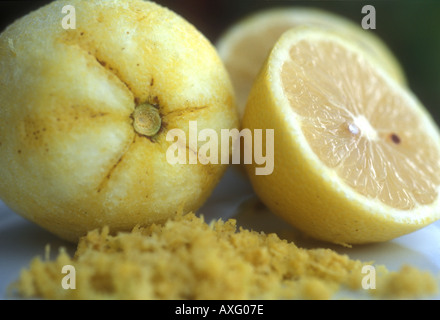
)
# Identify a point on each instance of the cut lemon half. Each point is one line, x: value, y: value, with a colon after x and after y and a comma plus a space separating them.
x: 245, y: 46
x: 356, y: 156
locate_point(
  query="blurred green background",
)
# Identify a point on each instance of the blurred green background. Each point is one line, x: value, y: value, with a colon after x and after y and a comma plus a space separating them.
x: 410, y: 28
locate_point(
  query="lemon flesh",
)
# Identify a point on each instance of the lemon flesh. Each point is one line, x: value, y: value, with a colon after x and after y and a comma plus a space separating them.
x: 356, y: 155
x: 246, y: 44
x: 70, y: 157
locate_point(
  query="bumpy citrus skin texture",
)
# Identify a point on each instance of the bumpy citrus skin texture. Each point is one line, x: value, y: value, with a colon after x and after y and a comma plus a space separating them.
x: 70, y: 159
x: 302, y: 189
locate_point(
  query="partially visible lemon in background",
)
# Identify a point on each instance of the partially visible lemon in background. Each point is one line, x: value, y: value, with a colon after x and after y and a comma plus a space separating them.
x: 357, y: 157
x: 85, y: 112
x: 246, y: 44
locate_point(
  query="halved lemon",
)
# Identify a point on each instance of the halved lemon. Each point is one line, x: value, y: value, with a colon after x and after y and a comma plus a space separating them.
x: 245, y: 46
x: 357, y: 157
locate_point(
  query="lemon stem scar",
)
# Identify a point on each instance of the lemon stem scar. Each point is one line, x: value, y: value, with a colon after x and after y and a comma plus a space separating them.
x: 146, y: 120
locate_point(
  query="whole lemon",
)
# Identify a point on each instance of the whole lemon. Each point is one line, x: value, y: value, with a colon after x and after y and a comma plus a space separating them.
x: 88, y: 92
